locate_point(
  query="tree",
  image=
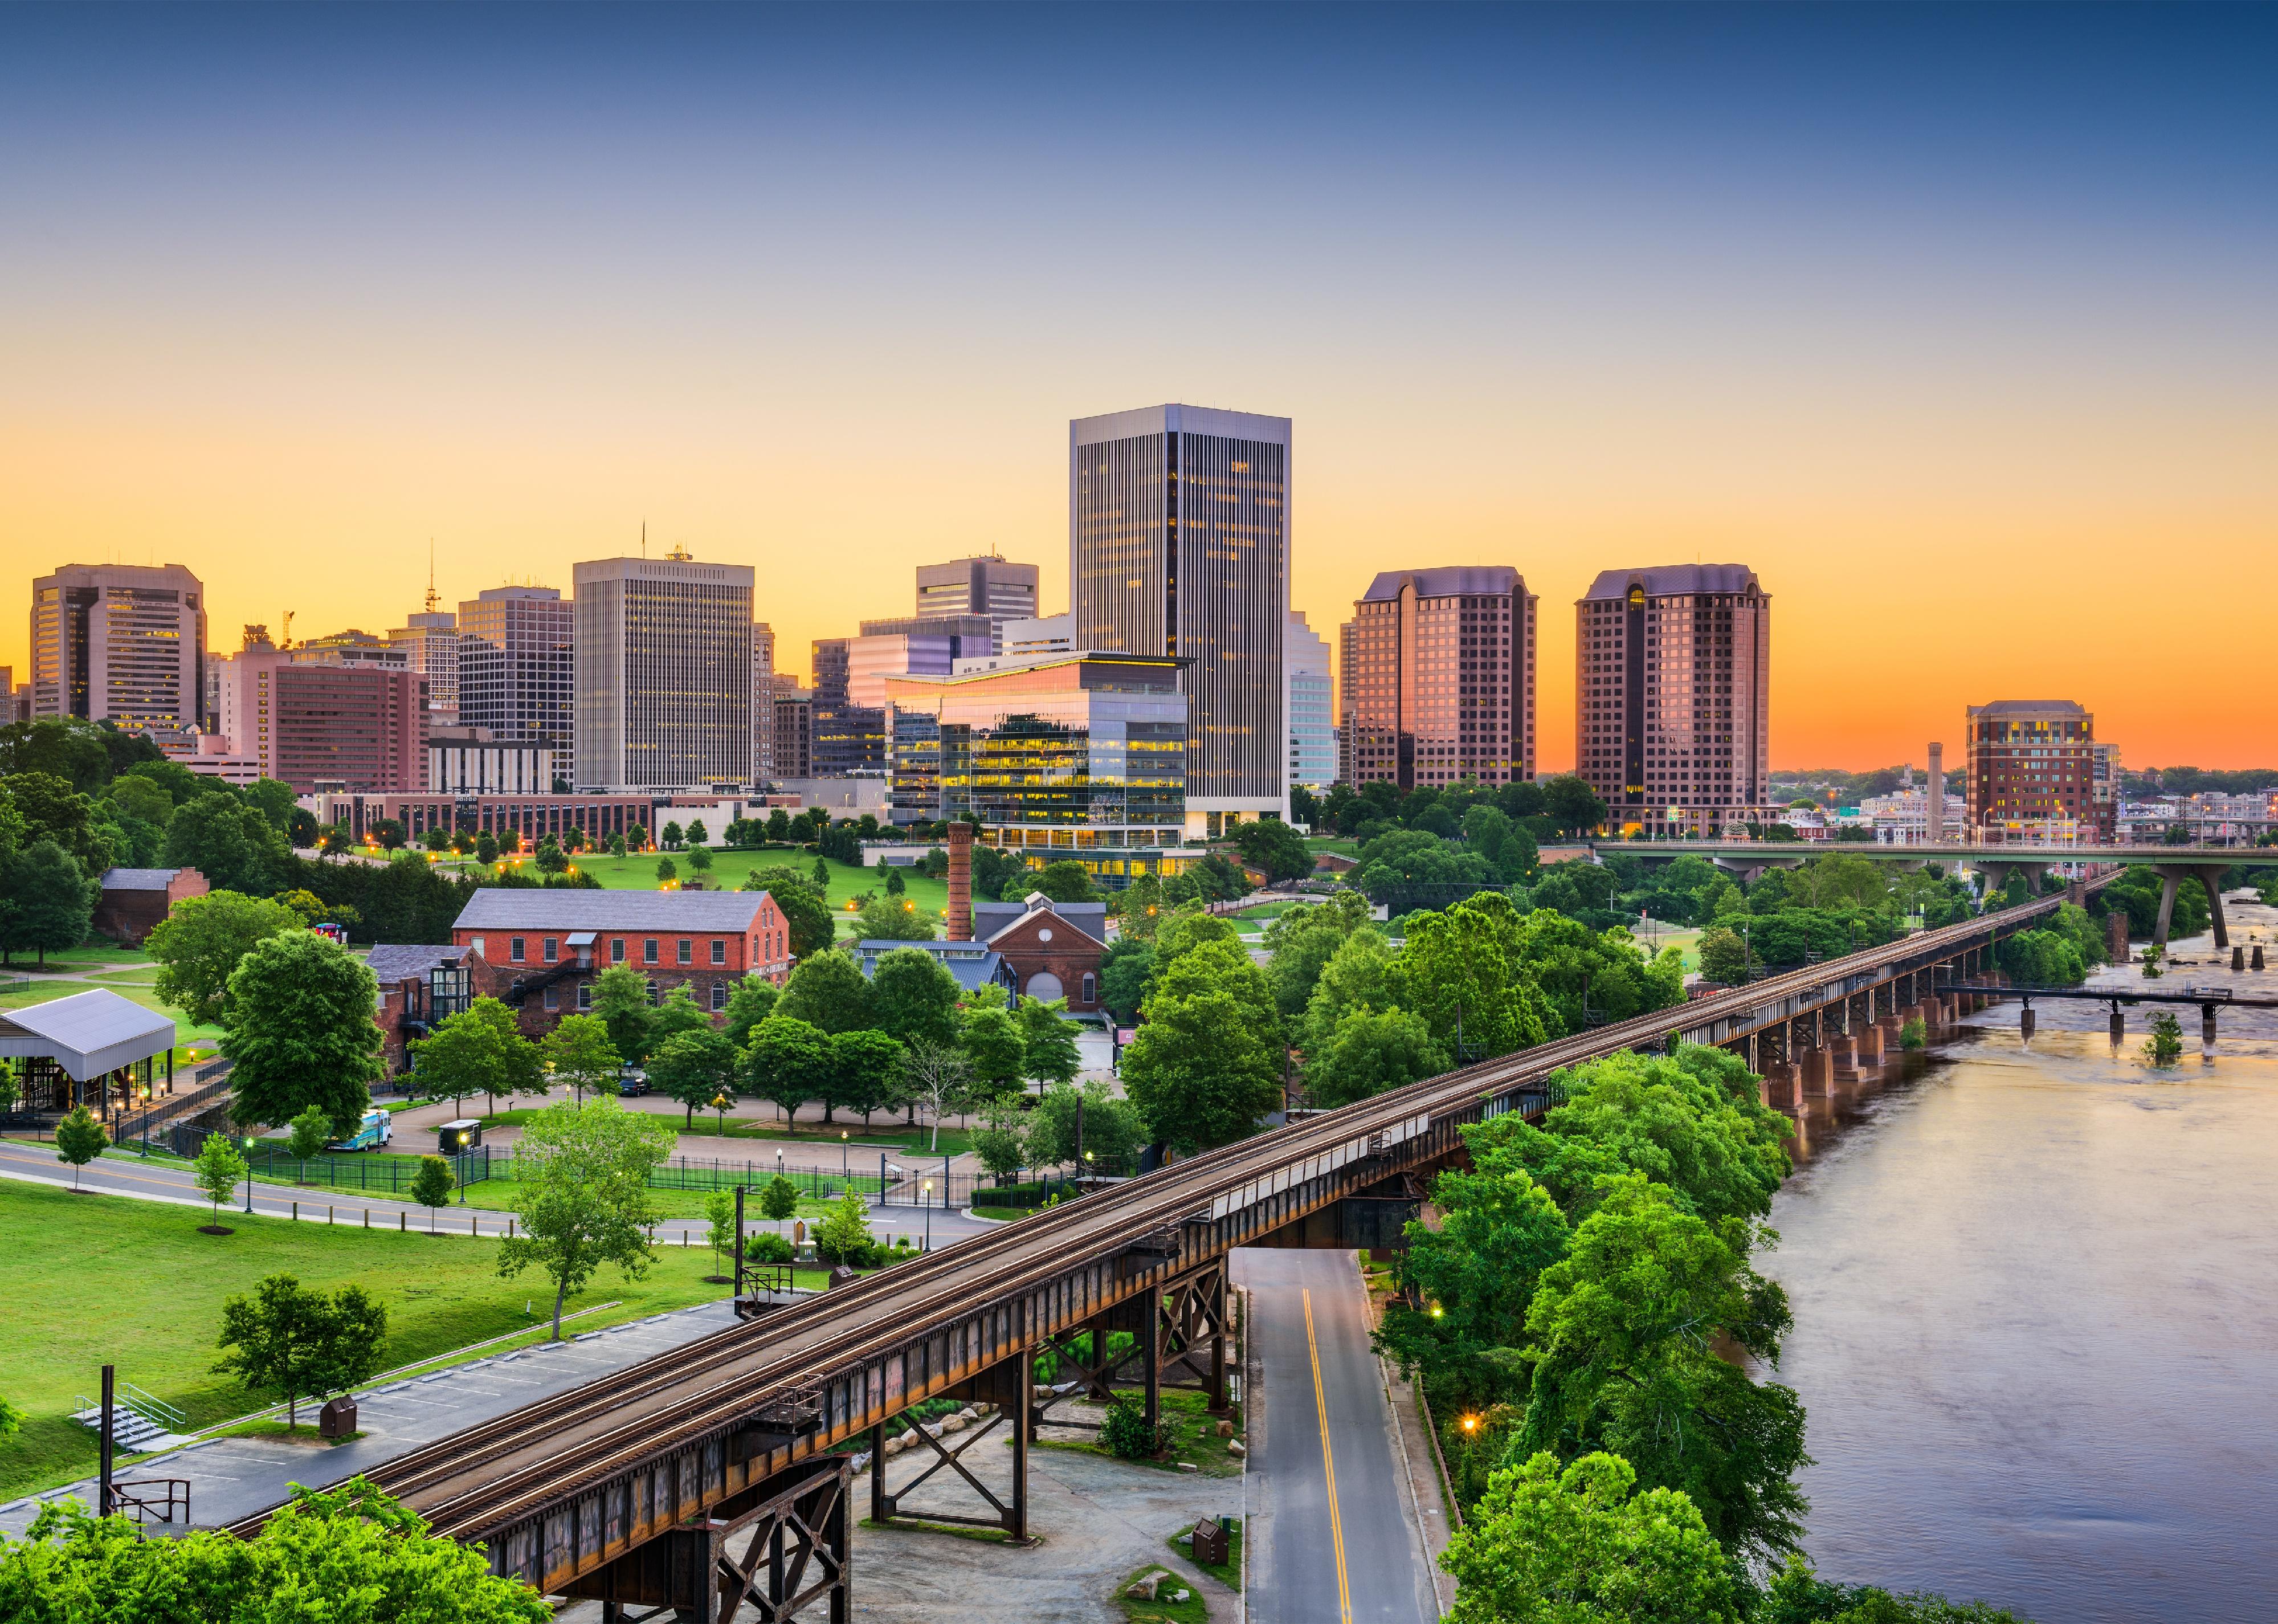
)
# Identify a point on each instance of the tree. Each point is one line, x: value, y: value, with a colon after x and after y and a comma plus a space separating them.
x: 465, y: 1055
x: 80, y: 1139
x: 1271, y: 844
x: 895, y: 885
x: 550, y: 857
x: 200, y: 942
x: 1571, y: 804
x: 695, y: 1068
x: 1047, y: 1040
x: 720, y: 1221
x: 696, y: 835
x: 311, y: 1131
x: 1466, y: 976
x: 937, y: 1075
x: 46, y: 901
x: 1065, y: 881
x: 1545, y: 1546
x: 822, y: 870
x: 1724, y: 957
x: 913, y: 996
x: 300, y: 1344
x: 828, y: 991
x: 671, y: 839
x: 232, y: 844
x: 1302, y: 942
x: 665, y: 872
x: 750, y: 1001
x: 892, y: 919
x: 998, y: 1143
x: 700, y: 859
x: 431, y: 1185
x: 1369, y: 1052
x: 1112, y: 1129
x: 579, y: 1053
x: 581, y: 1188
x: 1203, y: 1070
x: 1127, y: 972
x: 787, y: 1060
x: 486, y: 847
x: 217, y: 1170
x: 11, y: 1090
x: 779, y: 1198
x: 51, y: 809
x: 302, y: 1031
x: 990, y: 1039
x: 2163, y: 1048
x: 807, y: 917
x: 866, y: 1073
x: 621, y: 1003
x: 844, y: 1235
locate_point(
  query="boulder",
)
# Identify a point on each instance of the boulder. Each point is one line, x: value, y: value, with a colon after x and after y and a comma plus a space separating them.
x: 1143, y: 1588
x: 1234, y: 1448
x: 1226, y: 1429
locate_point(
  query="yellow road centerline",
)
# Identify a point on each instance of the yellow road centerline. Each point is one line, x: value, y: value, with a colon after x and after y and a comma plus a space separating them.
x: 1328, y: 1467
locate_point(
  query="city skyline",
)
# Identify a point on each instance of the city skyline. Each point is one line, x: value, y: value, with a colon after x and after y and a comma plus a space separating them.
x: 1814, y: 289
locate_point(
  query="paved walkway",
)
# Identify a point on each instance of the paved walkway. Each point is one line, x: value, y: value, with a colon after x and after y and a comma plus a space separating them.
x: 231, y: 1477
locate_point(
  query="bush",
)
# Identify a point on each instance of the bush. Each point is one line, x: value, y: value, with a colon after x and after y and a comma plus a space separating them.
x: 767, y: 1246
x: 1018, y: 1195
x: 1914, y: 1034
x: 1127, y: 1435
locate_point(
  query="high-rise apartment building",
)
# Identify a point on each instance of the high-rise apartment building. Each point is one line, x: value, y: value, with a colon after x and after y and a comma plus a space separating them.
x: 318, y: 722
x: 2033, y: 773
x: 987, y: 586
x: 517, y: 670
x: 1672, y: 696
x: 121, y: 642
x: 1439, y: 677
x: 1309, y: 706
x: 663, y: 673
x: 1178, y: 546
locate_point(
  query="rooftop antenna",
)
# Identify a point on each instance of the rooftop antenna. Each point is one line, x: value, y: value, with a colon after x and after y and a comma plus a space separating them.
x: 644, y: 537
x: 431, y: 575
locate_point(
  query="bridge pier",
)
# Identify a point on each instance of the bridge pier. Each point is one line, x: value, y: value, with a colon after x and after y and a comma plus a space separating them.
x: 2115, y: 935
x: 2237, y: 956
x: 1007, y: 1385
x: 2025, y: 1023
x: 2118, y: 1024
x: 777, y: 1548
x: 1779, y: 1084
x: 1818, y: 1072
x: 2256, y: 962
x: 2206, y: 1024
x: 1843, y: 1053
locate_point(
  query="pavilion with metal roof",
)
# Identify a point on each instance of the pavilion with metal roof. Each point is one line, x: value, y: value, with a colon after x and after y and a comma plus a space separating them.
x: 92, y: 1048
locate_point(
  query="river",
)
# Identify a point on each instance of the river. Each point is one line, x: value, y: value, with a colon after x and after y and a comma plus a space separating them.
x: 2035, y: 1295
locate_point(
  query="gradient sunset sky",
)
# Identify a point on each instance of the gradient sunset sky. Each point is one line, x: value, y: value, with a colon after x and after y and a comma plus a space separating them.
x: 1960, y: 326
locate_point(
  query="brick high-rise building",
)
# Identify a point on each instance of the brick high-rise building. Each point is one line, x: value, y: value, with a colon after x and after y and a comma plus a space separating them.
x: 319, y: 723
x: 1672, y: 696
x: 1438, y: 680
x: 2033, y: 773
x: 121, y: 642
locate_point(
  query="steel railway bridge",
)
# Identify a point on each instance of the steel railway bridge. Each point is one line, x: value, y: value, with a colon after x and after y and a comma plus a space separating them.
x: 705, y: 1481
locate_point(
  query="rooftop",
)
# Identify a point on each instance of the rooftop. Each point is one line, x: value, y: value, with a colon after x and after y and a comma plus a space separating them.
x: 138, y: 879
x: 1668, y: 580
x: 1456, y: 581
x: 991, y: 920
x: 88, y: 1033
x: 499, y: 908
x: 399, y: 961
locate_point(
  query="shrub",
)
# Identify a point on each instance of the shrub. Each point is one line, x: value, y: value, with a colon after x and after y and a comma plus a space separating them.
x: 767, y: 1246
x: 1127, y: 1435
x: 1914, y: 1034
x: 1016, y: 1195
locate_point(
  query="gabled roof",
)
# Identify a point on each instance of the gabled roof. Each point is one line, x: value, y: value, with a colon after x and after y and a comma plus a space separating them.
x: 393, y: 961
x: 88, y: 1033
x: 1666, y: 580
x: 138, y: 879
x: 974, y: 965
x: 992, y: 920
x: 513, y: 909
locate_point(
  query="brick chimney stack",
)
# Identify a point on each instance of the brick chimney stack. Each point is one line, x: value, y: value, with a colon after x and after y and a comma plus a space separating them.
x: 961, y: 881
x: 1935, y: 803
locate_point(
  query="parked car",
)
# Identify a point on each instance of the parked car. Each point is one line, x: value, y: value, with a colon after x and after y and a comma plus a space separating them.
x: 633, y: 1080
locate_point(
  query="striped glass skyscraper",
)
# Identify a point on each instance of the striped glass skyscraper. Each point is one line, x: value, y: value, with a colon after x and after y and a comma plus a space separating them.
x: 1178, y: 546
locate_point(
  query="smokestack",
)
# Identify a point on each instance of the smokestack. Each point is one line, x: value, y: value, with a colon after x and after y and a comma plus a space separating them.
x: 961, y: 881
x: 1937, y: 802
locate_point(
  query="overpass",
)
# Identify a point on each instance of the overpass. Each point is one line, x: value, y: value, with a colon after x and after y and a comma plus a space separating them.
x: 706, y: 1480
x: 2173, y: 864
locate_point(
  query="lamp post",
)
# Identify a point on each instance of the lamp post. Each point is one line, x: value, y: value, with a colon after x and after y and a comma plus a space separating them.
x: 248, y: 1176
x: 925, y: 1187
x: 842, y: 1153
x: 719, y: 1115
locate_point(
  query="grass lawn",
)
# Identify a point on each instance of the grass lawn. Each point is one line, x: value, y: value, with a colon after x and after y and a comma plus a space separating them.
x: 1194, y: 1438
x: 89, y: 1278
x: 91, y: 953
x: 1227, y: 1573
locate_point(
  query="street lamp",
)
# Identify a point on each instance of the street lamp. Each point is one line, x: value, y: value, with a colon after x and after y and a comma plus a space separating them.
x: 719, y: 1113
x: 842, y: 1153
x: 248, y: 1176
x: 925, y: 1187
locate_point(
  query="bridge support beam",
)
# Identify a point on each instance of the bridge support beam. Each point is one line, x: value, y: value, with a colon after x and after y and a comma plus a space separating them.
x: 2206, y: 1024
x: 2025, y: 1023
x: 1007, y: 1385
x: 1868, y: 1044
x: 2210, y: 879
x: 1818, y: 1073
x: 776, y: 1549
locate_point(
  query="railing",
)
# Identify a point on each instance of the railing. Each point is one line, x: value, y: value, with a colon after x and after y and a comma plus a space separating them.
x: 711, y: 1173
x: 152, y: 1499
x: 138, y: 1128
x: 126, y: 1396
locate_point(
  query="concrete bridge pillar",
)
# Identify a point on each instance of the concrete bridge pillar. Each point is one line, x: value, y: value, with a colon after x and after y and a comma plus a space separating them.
x: 1887, y: 1031
x: 1869, y: 1051
x: 2206, y: 1024
x: 2025, y: 1023
x: 2210, y: 878
x: 2238, y: 955
x: 1779, y: 1085
x: 1819, y: 1072
x: 2115, y: 935
x: 2255, y: 962
x: 1844, y: 1053
x: 2118, y: 1024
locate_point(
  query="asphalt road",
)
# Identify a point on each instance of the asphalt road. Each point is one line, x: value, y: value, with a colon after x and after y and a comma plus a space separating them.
x: 1337, y: 1541
x: 35, y: 1163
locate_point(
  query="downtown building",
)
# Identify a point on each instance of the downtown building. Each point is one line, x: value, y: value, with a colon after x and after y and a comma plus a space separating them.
x: 319, y: 722
x: 848, y: 727
x: 1439, y: 679
x: 1309, y: 705
x: 995, y: 588
x: 516, y: 670
x: 2036, y: 774
x: 1179, y: 547
x: 1672, y: 697
x: 123, y: 643
x: 663, y: 674
x: 429, y: 641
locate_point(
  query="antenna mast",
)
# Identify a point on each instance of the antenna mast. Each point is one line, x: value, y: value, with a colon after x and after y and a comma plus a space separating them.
x: 431, y: 575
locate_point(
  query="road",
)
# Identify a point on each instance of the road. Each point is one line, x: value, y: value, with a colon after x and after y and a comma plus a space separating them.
x: 118, y: 1175
x: 1337, y: 1541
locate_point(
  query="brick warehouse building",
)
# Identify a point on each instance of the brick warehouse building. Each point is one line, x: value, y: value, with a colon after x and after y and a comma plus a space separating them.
x: 1054, y: 948
x: 542, y: 951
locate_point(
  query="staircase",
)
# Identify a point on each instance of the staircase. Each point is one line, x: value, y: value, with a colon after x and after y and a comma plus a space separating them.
x: 138, y: 1422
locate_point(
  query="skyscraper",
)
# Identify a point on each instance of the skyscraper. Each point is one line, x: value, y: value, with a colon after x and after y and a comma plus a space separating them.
x: 517, y: 669
x: 763, y: 701
x: 316, y: 720
x: 1439, y: 677
x: 430, y: 639
x: 125, y: 642
x: 1309, y: 706
x: 1178, y: 545
x: 1672, y: 696
x: 988, y: 586
x: 663, y: 673
x: 2034, y: 773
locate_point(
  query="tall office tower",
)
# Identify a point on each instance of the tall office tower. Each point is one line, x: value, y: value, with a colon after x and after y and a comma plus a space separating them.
x: 845, y: 740
x: 2033, y: 773
x: 323, y: 721
x: 430, y: 639
x: 987, y: 586
x: 763, y: 701
x: 1672, y: 696
x: 664, y: 673
x: 122, y: 642
x: 1439, y: 677
x: 1312, y: 728
x: 794, y: 742
x: 1178, y: 546
x: 517, y: 669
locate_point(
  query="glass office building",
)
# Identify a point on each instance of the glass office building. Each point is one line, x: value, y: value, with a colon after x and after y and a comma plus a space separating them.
x: 1083, y: 757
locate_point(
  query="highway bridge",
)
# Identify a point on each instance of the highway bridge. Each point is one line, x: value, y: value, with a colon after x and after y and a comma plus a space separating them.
x: 705, y: 1481
x: 2173, y: 864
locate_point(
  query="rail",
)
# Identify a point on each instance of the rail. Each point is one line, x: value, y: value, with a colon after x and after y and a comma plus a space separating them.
x: 505, y: 1470
x: 126, y: 1396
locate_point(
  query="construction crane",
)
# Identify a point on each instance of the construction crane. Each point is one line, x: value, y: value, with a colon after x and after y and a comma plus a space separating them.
x: 286, y: 641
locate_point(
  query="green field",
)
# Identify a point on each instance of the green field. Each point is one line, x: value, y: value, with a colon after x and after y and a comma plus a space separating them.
x: 91, y: 1279
x: 95, y: 952
x: 135, y: 986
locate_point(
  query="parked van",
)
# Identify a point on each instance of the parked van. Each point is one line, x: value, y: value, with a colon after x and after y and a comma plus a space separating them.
x: 377, y: 1129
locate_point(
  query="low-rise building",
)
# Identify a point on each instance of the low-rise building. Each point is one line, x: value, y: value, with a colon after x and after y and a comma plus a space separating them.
x: 135, y: 899
x: 1054, y: 949
x: 472, y: 761
x: 421, y: 985
x: 974, y: 964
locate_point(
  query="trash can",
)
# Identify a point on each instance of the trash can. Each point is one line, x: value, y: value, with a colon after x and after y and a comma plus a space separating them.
x: 455, y: 1138
x: 1210, y: 1541
x: 338, y: 1418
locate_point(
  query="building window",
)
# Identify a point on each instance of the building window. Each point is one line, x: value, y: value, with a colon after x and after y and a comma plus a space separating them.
x: 1091, y: 988
x: 585, y: 995
x: 651, y: 992
x: 553, y: 998
x: 514, y: 949
x: 719, y: 995
x: 648, y: 951
x: 616, y: 950
x: 553, y: 948
x: 686, y: 954
x: 719, y: 950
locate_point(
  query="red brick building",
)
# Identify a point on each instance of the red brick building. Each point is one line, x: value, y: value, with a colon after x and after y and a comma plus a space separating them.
x: 135, y: 899
x: 1054, y: 948
x: 543, y: 950
x: 2032, y: 773
x: 421, y: 985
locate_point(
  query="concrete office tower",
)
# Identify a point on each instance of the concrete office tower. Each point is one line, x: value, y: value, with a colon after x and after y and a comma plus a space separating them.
x: 2033, y: 773
x: 1934, y: 803
x: 1309, y: 706
x: 429, y: 641
x: 1178, y: 546
x: 663, y: 673
x: 1672, y: 696
x: 1439, y: 677
x: 764, y: 702
x: 988, y: 586
x: 121, y: 642
x: 517, y: 670
x: 793, y: 755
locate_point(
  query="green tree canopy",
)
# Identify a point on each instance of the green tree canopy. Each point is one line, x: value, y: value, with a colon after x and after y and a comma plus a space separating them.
x: 788, y: 1062
x: 1592, y: 977
x: 1126, y: 974
x: 989, y: 1039
x: 913, y: 996
x: 302, y: 1031
x: 1271, y: 844
x: 581, y: 1194
x: 893, y: 918
x: 1065, y: 881
x: 677, y: 1012
x: 581, y: 1057
x: 1465, y: 971
x: 807, y: 916
x: 1188, y: 928
x: 621, y: 1003
x: 1369, y: 1052
x: 750, y: 1001
x: 1048, y: 1048
x: 51, y: 809
x: 866, y: 1073
x: 1205, y: 1068
x: 297, y: 1344
x: 230, y: 842
x: 47, y: 901
x: 80, y: 1139
x: 1362, y: 974
x: 1112, y: 1127
x: 828, y: 991
x: 695, y: 1068
x: 1302, y: 942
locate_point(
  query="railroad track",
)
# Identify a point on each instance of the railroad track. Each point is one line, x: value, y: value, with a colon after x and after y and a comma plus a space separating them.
x: 505, y: 1469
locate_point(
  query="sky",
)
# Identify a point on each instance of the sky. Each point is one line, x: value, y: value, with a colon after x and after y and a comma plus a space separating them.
x: 1959, y: 327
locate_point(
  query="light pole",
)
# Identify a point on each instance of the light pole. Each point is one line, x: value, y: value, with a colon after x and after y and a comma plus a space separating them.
x: 248, y: 1176
x: 842, y: 1153
x: 719, y: 1115
x: 926, y: 1186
